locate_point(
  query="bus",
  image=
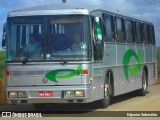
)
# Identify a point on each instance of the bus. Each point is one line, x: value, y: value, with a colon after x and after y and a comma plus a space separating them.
x: 42, y: 65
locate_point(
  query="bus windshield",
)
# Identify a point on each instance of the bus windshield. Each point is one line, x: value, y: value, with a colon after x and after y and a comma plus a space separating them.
x: 49, y: 38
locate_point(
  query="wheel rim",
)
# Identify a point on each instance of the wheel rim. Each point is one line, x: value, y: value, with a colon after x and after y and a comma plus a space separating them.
x: 106, y: 92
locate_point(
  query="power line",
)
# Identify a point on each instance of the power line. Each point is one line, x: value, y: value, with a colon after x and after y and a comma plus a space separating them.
x: 153, y: 3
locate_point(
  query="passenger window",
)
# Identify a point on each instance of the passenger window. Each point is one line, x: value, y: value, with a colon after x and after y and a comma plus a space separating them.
x: 145, y: 33
x: 120, y: 31
x: 129, y: 31
x: 109, y: 31
x: 151, y: 35
x: 139, y: 33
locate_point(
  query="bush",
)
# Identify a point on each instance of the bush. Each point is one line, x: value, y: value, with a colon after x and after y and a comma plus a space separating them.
x: 2, y: 78
x: 158, y: 55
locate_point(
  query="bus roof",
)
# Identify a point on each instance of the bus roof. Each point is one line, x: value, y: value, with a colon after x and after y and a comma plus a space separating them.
x: 65, y: 8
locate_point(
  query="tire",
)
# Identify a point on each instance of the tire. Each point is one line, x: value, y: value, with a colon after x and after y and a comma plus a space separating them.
x: 107, y: 94
x: 143, y: 90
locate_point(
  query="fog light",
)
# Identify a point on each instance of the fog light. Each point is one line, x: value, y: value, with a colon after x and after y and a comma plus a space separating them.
x: 79, y: 93
x: 69, y: 94
x: 21, y: 94
x: 13, y: 94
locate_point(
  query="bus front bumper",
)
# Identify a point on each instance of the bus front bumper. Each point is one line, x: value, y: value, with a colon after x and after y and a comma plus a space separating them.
x: 49, y: 94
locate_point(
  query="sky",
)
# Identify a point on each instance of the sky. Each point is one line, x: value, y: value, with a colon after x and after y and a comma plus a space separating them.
x: 142, y: 9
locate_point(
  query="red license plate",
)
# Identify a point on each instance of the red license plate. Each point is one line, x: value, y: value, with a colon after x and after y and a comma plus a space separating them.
x: 45, y: 94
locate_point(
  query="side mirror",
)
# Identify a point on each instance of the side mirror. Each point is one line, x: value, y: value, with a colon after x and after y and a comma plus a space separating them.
x: 98, y: 30
x: 4, y: 36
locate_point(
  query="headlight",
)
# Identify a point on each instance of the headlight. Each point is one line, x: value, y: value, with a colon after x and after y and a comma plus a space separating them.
x: 13, y: 94
x: 21, y: 94
x: 69, y: 94
x: 16, y: 94
x: 79, y: 93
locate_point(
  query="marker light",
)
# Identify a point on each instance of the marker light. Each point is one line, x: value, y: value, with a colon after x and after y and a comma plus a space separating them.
x: 7, y: 73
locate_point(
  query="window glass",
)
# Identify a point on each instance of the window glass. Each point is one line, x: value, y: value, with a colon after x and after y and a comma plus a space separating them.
x: 68, y: 38
x: 109, y: 32
x: 25, y: 38
x: 145, y: 34
x: 138, y: 32
x: 120, y: 32
x: 129, y: 31
x: 152, y: 36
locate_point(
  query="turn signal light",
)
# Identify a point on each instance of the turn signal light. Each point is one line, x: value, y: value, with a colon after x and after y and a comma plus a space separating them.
x: 84, y: 72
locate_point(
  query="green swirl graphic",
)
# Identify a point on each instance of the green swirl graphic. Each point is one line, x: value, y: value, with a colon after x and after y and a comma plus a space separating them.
x: 52, y: 76
x: 126, y: 60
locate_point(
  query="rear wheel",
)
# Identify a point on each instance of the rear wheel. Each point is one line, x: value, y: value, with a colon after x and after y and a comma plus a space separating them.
x: 107, y: 94
x: 143, y: 90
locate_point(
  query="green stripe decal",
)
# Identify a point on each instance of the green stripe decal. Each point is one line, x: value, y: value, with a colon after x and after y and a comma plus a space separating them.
x: 52, y: 76
x: 126, y: 60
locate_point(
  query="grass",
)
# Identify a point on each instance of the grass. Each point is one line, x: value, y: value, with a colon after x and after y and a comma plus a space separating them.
x: 2, y: 78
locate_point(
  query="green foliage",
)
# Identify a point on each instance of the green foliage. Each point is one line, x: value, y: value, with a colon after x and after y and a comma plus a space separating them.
x: 2, y: 58
x: 158, y: 54
x: 2, y: 64
x: 2, y: 78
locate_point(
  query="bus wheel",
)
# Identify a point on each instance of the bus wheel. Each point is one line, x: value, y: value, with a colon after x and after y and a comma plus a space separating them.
x: 143, y: 90
x: 107, y: 94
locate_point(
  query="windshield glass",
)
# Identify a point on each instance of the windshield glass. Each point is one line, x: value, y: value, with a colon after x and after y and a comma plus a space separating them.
x: 49, y: 38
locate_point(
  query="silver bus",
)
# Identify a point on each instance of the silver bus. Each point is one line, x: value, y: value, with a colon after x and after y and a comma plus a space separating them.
x: 64, y: 53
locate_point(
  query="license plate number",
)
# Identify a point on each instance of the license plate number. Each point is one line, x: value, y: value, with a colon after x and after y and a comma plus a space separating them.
x: 45, y: 94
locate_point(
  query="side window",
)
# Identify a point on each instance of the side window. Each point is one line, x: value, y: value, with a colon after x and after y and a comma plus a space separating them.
x: 109, y: 28
x: 129, y: 31
x: 145, y: 33
x: 151, y: 35
x: 120, y: 30
x: 138, y: 32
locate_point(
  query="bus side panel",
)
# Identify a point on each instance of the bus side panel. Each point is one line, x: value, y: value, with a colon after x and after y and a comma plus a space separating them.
x: 150, y: 63
x: 148, y: 53
x: 110, y: 55
x: 134, y: 79
x: 97, y: 82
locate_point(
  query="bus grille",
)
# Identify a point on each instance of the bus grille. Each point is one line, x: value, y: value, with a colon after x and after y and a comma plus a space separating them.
x: 154, y: 70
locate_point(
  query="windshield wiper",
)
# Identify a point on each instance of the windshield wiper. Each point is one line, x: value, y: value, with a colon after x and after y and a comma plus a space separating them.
x: 59, y: 56
x: 31, y: 54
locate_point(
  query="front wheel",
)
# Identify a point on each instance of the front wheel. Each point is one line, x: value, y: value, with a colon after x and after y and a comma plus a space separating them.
x: 107, y: 94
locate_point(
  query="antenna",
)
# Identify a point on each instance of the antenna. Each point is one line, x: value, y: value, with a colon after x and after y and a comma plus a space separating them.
x: 63, y: 1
